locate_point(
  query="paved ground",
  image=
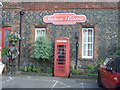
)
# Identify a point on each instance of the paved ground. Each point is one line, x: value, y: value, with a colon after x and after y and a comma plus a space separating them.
x: 46, y: 82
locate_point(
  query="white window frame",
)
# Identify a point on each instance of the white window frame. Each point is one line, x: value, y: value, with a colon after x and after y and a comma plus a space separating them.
x: 83, y: 43
x: 40, y: 32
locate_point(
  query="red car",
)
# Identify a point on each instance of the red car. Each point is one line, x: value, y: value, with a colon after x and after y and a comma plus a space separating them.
x: 109, y: 73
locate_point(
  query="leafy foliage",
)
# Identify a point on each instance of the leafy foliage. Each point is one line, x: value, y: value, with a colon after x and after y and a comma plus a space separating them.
x: 42, y: 49
x: 117, y: 52
x: 30, y: 69
x: 75, y: 71
x: 90, y: 68
x: 4, y: 51
x: 38, y: 70
x: 13, y: 37
x: 101, y: 61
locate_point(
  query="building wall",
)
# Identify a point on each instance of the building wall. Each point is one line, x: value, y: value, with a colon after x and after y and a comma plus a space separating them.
x: 104, y: 22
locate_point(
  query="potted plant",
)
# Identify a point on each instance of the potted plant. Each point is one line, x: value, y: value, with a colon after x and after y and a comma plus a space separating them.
x: 4, y: 54
x: 13, y: 37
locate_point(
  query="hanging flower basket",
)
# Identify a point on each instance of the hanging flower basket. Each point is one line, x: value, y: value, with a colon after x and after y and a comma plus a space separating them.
x: 13, y: 37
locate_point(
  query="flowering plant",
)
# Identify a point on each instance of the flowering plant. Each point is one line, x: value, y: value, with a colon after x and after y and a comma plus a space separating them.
x: 13, y: 37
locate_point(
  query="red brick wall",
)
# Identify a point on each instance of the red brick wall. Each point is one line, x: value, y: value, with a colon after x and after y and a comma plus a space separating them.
x: 59, y: 5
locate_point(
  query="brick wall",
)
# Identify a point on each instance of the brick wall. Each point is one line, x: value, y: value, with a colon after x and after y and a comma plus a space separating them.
x: 59, y: 5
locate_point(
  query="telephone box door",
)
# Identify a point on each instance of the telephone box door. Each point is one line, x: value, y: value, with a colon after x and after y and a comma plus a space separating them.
x: 61, y: 57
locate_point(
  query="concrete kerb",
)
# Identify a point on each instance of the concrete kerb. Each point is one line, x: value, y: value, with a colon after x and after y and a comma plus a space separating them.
x: 51, y: 75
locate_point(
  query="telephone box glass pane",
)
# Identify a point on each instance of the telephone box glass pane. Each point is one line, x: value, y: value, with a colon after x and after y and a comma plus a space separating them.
x: 61, y: 56
x: 0, y: 38
x: 61, y: 59
x: 61, y: 63
x: 61, y: 46
x: 61, y: 53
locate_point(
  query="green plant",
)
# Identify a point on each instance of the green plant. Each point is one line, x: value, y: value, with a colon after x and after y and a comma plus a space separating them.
x: 13, y: 37
x: 42, y: 49
x: 34, y: 69
x: 75, y: 71
x: 101, y: 61
x: 25, y: 69
x: 30, y: 68
x: 90, y: 68
x: 4, y: 51
x: 49, y: 70
x: 89, y: 74
x: 117, y: 52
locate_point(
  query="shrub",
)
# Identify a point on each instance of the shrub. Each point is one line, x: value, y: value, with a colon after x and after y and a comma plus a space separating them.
x: 75, y: 71
x: 90, y: 68
x: 49, y: 70
x: 25, y: 69
x: 42, y: 49
x: 117, y: 52
x: 4, y: 51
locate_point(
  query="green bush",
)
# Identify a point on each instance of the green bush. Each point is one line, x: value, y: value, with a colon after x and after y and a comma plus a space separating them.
x: 90, y: 68
x: 49, y: 70
x: 35, y: 70
x: 25, y: 69
x: 4, y: 51
x: 42, y: 49
x: 117, y: 52
x: 38, y: 70
x: 30, y: 69
x: 75, y: 71
x: 101, y: 61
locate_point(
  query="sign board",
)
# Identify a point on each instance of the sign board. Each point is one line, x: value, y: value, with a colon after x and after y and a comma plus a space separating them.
x: 64, y: 18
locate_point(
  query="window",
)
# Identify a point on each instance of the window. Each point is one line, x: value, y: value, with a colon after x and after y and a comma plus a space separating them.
x: 4, y: 31
x: 0, y: 38
x: 87, y: 43
x: 6, y: 43
x: 40, y: 32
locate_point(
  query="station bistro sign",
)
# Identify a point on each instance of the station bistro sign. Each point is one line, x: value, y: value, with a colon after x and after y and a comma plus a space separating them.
x: 64, y: 18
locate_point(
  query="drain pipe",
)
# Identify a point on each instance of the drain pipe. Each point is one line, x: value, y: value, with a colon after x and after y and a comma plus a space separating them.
x: 20, y: 32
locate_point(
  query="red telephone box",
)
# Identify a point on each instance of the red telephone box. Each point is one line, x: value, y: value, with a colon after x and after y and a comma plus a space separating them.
x: 62, y: 57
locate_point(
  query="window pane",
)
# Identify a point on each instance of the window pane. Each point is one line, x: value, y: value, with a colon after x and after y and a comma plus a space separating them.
x: 90, y: 46
x: 0, y: 38
x: 85, y: 36
x: 90, y: 32
x: 84, y: 46
x: 84, y: 53
x: 89, y: 38
x: 6, y: 43
x: 89, y: 52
